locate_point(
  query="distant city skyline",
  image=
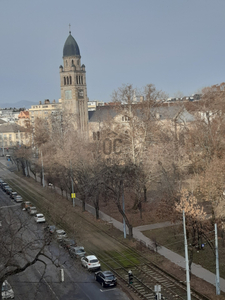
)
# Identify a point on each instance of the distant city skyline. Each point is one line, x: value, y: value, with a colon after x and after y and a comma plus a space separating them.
x: 176, y: 45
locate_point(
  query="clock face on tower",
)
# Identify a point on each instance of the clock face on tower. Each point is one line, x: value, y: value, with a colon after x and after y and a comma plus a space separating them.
x: 68, y: 94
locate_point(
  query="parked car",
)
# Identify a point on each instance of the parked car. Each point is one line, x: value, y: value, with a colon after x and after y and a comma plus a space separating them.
x: 3, y: 184
x: 90, y: 262
x: 39, y: 218
x: 32, y: 210
x: 5, y: 187
x: 67, y: 243
x: 25, y: 205
x: 77, y: 252
x: 13, y: 194
x: 50, y: 228
x: 18, y: 198
x: 7, y: 291
x: 60, y: 234
x: 8, y: 190
x: 106, y: 278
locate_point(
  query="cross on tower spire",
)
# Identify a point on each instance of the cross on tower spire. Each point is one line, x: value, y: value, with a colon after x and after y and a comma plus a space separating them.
x: 69, y: 29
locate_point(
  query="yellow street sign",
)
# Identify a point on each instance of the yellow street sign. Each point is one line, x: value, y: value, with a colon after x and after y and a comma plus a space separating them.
x: 73, y: 195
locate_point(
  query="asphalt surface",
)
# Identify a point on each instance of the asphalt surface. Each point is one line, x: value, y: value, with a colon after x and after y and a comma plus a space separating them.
x: 44, y: 282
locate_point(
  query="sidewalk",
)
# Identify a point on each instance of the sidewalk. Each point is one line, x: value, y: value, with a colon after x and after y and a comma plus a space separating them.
x: 197, y: 270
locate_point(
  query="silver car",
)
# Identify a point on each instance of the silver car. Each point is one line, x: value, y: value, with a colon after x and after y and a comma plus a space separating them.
x: 76, y: 252
x: 7, y: 291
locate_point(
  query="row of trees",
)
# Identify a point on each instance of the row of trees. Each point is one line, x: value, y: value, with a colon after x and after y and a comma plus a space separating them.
x: 136, y: 149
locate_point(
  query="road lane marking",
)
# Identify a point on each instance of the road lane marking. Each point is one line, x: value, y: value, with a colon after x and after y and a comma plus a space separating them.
x: 10, y: 206
x: 103, y: 291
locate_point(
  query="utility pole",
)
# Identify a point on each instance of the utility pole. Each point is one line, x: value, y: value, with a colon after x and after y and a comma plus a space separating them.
x: 186, y: 261
x: 43, y: 175
x: 217, y: 263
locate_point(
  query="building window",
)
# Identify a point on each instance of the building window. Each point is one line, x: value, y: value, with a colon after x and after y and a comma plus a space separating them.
x: 125, y: 118
x: 98, y: 135
x: 10, y: 137
x: 17, y: 136
x: 5, y: 137
x: 70, y: 80
x: 64, y: 80
x: 67, y: 80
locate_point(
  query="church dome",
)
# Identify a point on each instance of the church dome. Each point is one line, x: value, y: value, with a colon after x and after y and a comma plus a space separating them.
x: 70, y: 47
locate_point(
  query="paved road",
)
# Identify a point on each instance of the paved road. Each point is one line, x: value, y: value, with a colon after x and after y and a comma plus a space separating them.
x: 39, y: 283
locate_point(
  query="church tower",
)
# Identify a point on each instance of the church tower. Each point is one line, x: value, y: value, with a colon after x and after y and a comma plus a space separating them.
x: 73, y: 85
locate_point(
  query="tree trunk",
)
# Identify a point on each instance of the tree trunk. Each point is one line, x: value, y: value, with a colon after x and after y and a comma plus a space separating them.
x: 145, y: 194
x: 130, y: 228
x: 97, y: 213
x: 27, y: 164
x: 41, y: 177
x: 83, y: 203
x: 96, y: 204
x: 140, y: 209
x: 191, y: 259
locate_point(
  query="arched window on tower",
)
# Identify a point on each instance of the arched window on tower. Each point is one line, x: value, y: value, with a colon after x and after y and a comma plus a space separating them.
x: 67, y: 80
x: 78, y: 62
x: 70, y: 80
x: 77, y: 79
x: 64, y: 80
x: 66, y: 63
x: 81, y: 79
x: 72, y: 62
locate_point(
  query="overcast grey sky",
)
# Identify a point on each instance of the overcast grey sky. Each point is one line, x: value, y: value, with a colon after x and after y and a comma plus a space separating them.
x: 178, y: 45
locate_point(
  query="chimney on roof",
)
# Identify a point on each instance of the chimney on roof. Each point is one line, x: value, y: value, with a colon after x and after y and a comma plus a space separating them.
x: 47, y: 101
x: 40, y: 102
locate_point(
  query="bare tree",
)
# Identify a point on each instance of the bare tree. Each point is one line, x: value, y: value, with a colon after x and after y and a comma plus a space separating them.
x: 18, y: 252
x: 196, y: 223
